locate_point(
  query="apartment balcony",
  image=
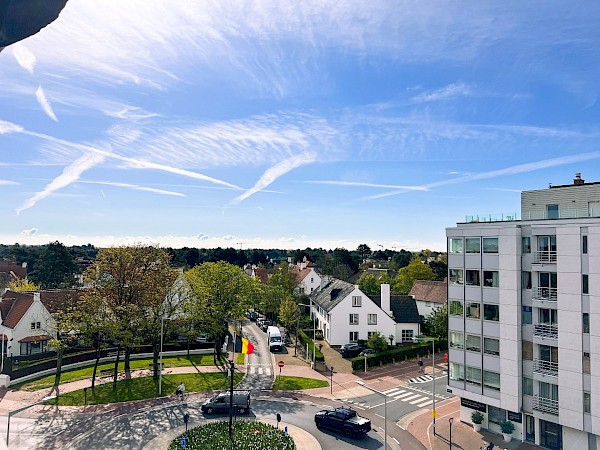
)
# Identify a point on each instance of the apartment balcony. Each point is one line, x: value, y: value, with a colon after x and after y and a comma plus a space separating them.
x: 546, y: 330
x: 544, y: 257
x: 546, y: 405
x: 544, y: 294
x: 548, y: 368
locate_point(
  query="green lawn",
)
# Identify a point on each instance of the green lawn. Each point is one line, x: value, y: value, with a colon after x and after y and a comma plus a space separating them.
x: 283, y: 383
x: 136, y: 364
x: 145, y: 387
x: 240, y: 359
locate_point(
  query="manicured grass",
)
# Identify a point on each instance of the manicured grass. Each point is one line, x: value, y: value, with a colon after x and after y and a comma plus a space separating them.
x: 246, y: 435
x: 283, y: 383
x: 136, y: 364
x: 145, y: 387
x: 240, y: 359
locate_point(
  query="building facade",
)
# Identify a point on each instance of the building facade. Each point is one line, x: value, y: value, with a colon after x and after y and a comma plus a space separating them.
x: 509, y: 283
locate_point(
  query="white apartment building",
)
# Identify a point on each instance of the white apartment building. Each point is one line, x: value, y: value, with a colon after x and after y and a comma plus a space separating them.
x: 524, y: 317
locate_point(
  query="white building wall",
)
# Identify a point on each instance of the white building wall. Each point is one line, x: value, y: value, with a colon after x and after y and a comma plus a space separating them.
x: 340, y: 319
x: 36, y: 313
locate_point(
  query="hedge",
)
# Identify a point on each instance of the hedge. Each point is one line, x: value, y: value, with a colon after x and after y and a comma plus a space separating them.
x: 305, y: 339
x: 396, y: 354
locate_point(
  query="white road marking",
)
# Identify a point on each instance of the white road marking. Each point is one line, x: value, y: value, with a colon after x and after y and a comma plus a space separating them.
x: 410, y: 398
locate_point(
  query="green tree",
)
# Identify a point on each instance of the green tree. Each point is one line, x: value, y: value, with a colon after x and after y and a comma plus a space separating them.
x: 220, y: 292
x: 369, y: 284
x: 22, y: 285
x: 440, y: 268
x: 134, y: 283
x: 416, y: 270
x: 377, y: 342
x: 55, y: 268
x: 436, y: 323
x: 364, y: 251
x: 289, y: 313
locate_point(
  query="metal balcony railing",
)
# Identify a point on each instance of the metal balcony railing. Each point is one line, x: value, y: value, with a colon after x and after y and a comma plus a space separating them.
x: 545, y: 367
x: 544, y: 293
x: 544, y: 257
x: 549, y: 330
x: 544, y: 404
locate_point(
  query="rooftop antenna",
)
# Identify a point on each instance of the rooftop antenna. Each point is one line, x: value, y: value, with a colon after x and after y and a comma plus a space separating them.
x: 241, y: 244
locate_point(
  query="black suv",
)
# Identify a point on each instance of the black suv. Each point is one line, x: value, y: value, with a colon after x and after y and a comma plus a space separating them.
x: 343, y: 420
x: 351, y: 350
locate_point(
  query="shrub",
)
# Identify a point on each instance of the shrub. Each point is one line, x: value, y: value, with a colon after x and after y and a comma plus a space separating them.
x: 390, y: 356
x: 507, y: 427
x: 477, y: 417
x: 304, y: 339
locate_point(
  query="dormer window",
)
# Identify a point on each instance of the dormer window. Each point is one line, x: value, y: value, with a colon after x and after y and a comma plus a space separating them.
x: 356, y: 300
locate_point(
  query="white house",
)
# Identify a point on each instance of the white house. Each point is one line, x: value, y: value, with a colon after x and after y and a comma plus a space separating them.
x: 429, y: 295
x: 346, y: 314
x: 309, y: 280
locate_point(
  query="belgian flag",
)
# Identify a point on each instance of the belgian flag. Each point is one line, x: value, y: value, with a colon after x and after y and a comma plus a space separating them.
x: 243, y: 345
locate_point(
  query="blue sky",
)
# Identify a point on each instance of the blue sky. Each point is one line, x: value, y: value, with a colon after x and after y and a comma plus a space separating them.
x: 292, y: 124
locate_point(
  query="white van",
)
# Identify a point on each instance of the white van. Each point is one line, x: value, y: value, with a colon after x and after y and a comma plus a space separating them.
x: 274, y: 339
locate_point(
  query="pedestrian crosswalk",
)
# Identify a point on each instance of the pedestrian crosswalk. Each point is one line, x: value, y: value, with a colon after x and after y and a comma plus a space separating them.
x: 421, y: 379
x: 409, y: 396
x: 259, y: 369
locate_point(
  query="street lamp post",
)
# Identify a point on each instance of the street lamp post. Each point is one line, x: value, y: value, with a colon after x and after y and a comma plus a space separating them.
x: 361, y: 383
x: 432, y: 339
x: 314, y: 329
x: 451, y: 419
x: 162, y: 326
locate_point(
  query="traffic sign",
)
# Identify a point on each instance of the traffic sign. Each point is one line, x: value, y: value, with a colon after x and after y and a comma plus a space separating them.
x: 281, y: 364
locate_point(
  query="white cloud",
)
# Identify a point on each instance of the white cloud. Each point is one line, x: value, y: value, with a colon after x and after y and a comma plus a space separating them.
x: 229, y: 237
x: 279, y: 169
x: 70, y: 174
x: 360, y: 184
x: 202, y: 237
x: 136, y: 187
x: 9, y: 127
x: 29, y: 232
x: 25, y: 58
x: 445, y: 93
x: 45, y: 104
x: 6, y: 182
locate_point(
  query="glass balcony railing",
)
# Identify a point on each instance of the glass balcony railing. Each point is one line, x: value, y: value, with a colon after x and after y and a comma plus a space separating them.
x: 544, y: 293
x: 544, y: 257
x: 545, y: 367
x: 500, y: 217
x: 546, y: 405
x: 548, y: 330
x: 562, y: 213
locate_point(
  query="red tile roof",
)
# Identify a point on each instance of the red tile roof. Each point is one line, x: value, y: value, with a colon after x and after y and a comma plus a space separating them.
x: 41, y: 337
x: 12, y: 267
x: 430, y: 291
x: 263, y: 274
x: 14, y: 307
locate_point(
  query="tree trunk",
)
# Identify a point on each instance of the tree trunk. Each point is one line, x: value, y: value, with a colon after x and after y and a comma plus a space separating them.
x: 127, y: 365
x: 116, y: 372
x: 98, y: 353
x: 59, y: 357
x: 188, y: 347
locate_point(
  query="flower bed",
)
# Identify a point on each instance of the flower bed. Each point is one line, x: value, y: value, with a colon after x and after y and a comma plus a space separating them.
x: 247, y: 435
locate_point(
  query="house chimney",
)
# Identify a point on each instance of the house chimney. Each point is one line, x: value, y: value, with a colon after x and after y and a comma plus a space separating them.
x: 578, y: 181
x: 385, y: 299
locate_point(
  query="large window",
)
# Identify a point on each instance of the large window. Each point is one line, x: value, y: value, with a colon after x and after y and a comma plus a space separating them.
x: 490, y: 278
x: 356, y: 300
x: 526, y: 315
x: 407, y: 335
x: 456, y: 307
x: 491, y: 346
x: 490, y: 245
x: 473, y: 375
x: 372, y: 319
x: 455, y: 276
x: 473, y: 310
x: 552, y: 211
x: 472, y: 278
x: 491, y: 312
x: 547, y: 243
x: 473, y: 245
x: 456, y: 340
x: 455, y: 245
x: 457, y: 372
x: 353, y: 336
x: 353, y: 319
x: 525, y: 280
x: 491, y: 380
x: 496, y: 415
x: 473, y: 343
x: 527, y: 386
x: 526, y: 244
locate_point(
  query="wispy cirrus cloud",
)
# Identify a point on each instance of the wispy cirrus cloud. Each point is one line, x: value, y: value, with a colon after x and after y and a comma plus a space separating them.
x: 512, y: 170
x: 361, y: 184
x: 447, y: 92
x: 136, y: 187
x: 29, y: 232
x: 44, y: 103
x: 276, y: 171
x: 69, y: 175
x: 25, y: 58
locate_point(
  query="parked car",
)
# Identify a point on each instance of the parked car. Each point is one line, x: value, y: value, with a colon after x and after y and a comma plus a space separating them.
x: 366, y: 351
x: 252, y: 315
x: 343, y: 420
x: 265, y: 324
x: 351, y: 350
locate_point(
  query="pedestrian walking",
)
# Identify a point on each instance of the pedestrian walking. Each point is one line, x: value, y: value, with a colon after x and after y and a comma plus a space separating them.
x: 446, y: 358
x: 420, y: 365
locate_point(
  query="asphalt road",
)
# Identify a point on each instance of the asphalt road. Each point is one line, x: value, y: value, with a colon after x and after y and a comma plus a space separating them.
x: 260, y: 371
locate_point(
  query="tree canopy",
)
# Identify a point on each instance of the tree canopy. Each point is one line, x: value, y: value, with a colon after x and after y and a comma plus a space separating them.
x: 406, y: 277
